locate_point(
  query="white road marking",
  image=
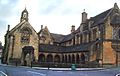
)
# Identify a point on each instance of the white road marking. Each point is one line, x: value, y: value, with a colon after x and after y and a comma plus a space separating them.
x: 3, y: 73
x: 59, y: 71
x: 42, y: 74
x: 118, y: 75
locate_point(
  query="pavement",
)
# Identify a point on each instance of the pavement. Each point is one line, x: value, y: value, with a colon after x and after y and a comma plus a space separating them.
x: 68, y: 69
x: 39, y: 71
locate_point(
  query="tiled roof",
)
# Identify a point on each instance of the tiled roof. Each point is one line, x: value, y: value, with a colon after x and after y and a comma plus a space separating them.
x: 49, y: 48
x: 75, y: 48
x: 68, y: 37
x: 100, y: 18
x: 96, y: 20
x: 57, y: 37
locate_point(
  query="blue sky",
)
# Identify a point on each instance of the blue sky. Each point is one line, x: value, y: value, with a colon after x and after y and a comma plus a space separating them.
x: 57, y: 15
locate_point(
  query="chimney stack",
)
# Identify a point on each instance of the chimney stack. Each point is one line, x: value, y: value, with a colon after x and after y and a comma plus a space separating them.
x: 84, y: 16
x: 41, y: 27
x: 8, y: 28
x: 72, y: 28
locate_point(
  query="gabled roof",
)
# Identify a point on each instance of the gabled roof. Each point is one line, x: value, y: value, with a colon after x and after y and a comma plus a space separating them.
x: 17, y: 26
x: 98, y: 19
x: 68, y: 37
x: 57, y: 37
x: 102, y: 17
x: 20, y: 24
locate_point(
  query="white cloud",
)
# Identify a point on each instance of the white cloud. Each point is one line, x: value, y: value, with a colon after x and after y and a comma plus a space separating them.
x: 58, y: 15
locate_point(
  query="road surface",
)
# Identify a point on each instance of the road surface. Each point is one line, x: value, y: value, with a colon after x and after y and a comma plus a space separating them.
x: 27, y: 71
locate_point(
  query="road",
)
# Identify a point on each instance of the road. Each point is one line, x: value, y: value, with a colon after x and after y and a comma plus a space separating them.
x: 26, y: 71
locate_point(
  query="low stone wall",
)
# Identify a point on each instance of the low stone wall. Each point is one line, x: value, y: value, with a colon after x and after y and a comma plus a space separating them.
x: 65, y: 65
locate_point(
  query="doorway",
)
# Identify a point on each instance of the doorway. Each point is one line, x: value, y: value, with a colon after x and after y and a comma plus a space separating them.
x: 27, y: 55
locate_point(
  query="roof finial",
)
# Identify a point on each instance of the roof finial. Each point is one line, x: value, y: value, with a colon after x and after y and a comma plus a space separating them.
x: 115, y: 6
x: 83, y: 10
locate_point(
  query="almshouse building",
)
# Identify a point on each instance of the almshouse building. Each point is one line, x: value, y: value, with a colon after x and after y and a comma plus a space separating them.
x: 96, y: 39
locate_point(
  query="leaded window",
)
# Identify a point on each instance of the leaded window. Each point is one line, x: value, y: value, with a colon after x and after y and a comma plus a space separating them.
x: 25, y: 35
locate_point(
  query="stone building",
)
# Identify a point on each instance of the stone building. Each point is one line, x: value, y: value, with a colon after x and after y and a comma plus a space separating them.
x: 1, y: 49
x: 96, y: 39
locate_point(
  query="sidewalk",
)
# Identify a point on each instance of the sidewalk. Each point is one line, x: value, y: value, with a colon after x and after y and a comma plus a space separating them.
x: 69, y: 69
x: 58, y: 69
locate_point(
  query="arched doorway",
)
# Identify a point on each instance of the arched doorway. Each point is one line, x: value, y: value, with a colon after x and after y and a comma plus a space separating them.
x: 57, y: 59
x: 27, y: 55
x: 41, y: 58
x: 49, y: 58
x: 82, y: 58
x: 73, y: 58
x: 77, y: 59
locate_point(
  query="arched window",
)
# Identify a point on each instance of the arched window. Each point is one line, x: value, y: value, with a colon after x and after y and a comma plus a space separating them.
x: 25, y: 35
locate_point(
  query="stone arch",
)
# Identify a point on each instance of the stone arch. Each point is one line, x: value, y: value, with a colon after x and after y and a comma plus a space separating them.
x: 73, y: 58
x: 26, y: 30
x: 69, y: 58
x: 57, y: 58
x: 27, y: 55
x: 65, y: 58
x: 82, y: 58
x: 49, y: 58
x: 77, y: 58
x: 41, y: 58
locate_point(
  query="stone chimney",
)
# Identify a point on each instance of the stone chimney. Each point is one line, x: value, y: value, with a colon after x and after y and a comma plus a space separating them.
x: 41, y: 27
x: 84, y: 16
x: 72, y: 28
x: 8, y: 28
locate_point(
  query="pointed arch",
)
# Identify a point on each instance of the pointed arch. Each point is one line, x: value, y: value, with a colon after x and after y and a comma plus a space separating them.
x: 73, y: 58
x: 69, y: 58
x: 57, y: 59
x: 25, y: 34
x: 65, y: 58
x: 49, y: 58
x: 26, y: 29
x: 41, y: 58
x: 77, y: 58
x: 82, y: 58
